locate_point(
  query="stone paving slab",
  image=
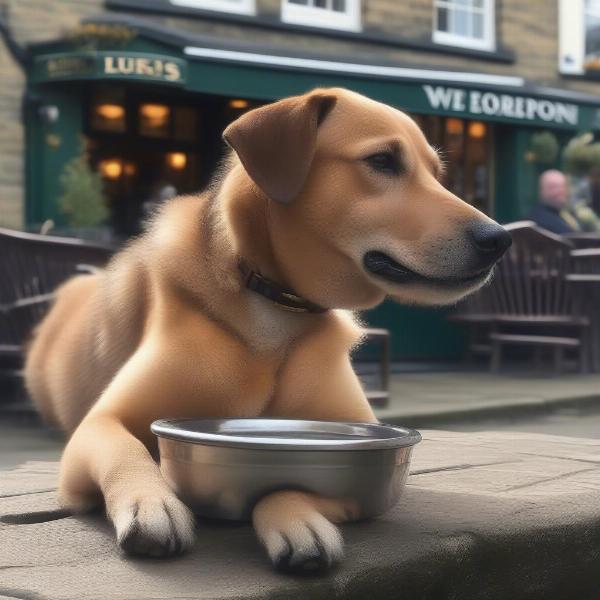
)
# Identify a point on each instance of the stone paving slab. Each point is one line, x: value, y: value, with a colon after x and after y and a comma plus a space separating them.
x: 484, y: 516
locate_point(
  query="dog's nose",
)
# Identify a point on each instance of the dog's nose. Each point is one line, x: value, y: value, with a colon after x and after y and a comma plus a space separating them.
x: 490, y: 239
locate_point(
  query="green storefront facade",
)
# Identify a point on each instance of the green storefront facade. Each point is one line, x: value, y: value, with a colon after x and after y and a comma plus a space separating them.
x: 61, y: 74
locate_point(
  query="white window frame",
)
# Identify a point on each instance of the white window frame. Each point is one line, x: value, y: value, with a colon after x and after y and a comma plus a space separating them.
x: 314, y: 16
x: 240, y: 7
x: 488, y: 42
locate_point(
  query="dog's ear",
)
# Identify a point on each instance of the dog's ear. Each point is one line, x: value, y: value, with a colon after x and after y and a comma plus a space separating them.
x: 276, y: 143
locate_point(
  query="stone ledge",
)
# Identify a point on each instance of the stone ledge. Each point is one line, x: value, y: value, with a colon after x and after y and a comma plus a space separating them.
x: 484, y: 516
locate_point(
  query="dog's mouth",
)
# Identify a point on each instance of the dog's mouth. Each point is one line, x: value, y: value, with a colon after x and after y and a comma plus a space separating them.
x: 387, y: 268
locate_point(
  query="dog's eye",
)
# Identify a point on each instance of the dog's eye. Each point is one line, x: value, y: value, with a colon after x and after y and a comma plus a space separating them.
x: 384, y: 162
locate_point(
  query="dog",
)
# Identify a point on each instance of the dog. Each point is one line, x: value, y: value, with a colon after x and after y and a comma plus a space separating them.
x: 238, y: 303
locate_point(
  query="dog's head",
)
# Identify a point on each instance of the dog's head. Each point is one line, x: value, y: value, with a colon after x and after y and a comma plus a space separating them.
x: 356, y: 209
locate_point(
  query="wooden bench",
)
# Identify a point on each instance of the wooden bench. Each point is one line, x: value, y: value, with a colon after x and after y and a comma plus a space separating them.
x: 530, y: 301
x: 31, y: 267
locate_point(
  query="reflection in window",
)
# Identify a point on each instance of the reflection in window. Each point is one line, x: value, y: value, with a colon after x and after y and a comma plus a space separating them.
x: 468, y: 23
x: 592, y: 35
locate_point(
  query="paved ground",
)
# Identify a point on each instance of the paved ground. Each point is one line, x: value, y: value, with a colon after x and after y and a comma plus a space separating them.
x: 486, y: 516
x: 20, y: 442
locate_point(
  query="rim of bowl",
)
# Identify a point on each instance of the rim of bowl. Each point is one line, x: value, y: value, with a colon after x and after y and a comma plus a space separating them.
x: 344, y: 435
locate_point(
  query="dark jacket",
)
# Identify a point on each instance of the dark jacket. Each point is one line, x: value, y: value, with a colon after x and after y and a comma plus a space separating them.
x: 549, y: 218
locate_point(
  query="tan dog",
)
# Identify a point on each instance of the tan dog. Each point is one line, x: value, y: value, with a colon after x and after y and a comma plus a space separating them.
x: 330, y: 194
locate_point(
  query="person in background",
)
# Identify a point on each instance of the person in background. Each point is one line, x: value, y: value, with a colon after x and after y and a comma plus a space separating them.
x: 552, y: 210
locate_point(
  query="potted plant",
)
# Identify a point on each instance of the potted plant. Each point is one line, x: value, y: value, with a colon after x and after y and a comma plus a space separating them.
x: 83, y: 201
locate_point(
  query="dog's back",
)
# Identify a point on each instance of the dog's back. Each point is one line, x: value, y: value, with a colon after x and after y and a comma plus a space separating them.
x: 82, y: 342
x: 61, y: 338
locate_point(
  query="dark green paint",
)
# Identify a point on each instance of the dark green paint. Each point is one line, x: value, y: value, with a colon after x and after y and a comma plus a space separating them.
x: 416, y: 332
x: 50, y: 146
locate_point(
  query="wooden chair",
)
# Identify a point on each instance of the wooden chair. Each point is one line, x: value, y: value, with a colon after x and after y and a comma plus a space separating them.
x: 585, y: 281
x: 583, y: 239
x: 476, y: 314
x: 31, y: 267
x: 380, y: 397
x: 532, y: 302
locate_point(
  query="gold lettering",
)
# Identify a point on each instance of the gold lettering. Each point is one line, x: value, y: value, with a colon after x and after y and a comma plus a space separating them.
x: 172, y: 72
x: 109, y: 65
x: 125, y: 66
x: 142, y: 67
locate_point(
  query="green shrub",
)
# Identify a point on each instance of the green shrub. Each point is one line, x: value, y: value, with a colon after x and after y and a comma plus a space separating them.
x: 544, y: 147
x: 581, y: 156
x: 82, y: 200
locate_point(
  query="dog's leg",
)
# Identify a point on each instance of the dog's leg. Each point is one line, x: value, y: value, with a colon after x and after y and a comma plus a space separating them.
x: 148, y: 518
x: 297, y: 529
x: 108, y: 456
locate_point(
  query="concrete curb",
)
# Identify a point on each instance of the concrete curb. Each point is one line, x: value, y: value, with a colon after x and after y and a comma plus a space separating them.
x: 532, y: 407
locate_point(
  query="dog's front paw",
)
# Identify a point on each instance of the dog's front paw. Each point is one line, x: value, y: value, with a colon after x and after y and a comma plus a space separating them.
x: 304, y: 546
x: 297, y: 541
x: 154, y: 526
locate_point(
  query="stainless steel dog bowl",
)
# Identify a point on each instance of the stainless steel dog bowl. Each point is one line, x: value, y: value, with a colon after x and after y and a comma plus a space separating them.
x: 221, y: 468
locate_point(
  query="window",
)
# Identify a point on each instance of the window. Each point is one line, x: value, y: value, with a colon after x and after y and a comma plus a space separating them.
x: 466, y: 23
x: 333, y: 14
x: 592, y: 35
x: 579, y: 37
x: 466, y: 147
x: 244, y: 7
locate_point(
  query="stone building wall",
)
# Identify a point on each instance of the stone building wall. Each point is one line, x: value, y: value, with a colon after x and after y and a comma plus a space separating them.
x: 30, y: 21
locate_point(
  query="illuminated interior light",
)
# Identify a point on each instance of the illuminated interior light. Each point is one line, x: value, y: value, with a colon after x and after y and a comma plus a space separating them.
x: 177, y: 160
x: 477, y: 129
x: 238, y: 103
x: 454, y: 126
x: 129, y: 169
x: 156, y: 114
x: 111, y: 168
x: 112, y: 112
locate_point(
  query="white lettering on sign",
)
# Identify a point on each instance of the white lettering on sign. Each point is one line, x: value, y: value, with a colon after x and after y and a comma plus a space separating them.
x: 127, y: 65
x: 501, y: 105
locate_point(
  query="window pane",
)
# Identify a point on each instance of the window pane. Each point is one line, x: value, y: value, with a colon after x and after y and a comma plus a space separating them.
x: 185, y: 124
x: 592, y: 36
x: 592, y: 6
x: 461, y: 23
x: 478, y: 26
x: 321, y: 3
x: 339, y: 5
x: 154, y: 120
x: 442, y: 20
x: 108, y: 112
x: 478, y: 3
x: 305, y: 2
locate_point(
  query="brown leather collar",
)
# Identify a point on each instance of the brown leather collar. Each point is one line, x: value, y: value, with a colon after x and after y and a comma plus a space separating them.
x: 283, y: 297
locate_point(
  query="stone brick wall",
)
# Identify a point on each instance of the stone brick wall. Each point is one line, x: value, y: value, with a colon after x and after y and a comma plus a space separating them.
x: 30, y: 21
x: 529, y: 30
